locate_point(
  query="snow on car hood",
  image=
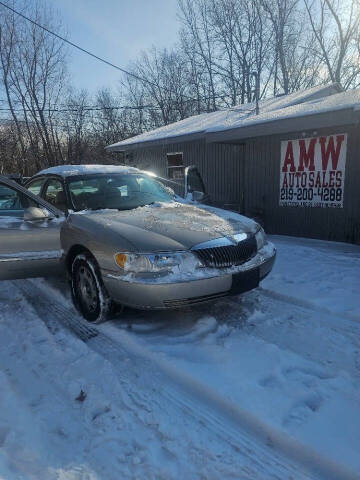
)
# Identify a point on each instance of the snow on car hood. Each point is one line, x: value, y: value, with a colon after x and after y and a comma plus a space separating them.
x: 172, y: 225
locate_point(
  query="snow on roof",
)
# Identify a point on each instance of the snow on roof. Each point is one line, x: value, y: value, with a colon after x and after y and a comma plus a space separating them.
x: 69, y: 170
x: 230, y: 117
x: 339, y: 101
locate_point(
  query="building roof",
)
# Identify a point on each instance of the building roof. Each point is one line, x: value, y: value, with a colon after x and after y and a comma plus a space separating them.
x: 71, y: 170
x: 302, y: 103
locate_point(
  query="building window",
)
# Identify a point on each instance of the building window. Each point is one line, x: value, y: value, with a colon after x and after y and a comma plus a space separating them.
x: 175, y: 166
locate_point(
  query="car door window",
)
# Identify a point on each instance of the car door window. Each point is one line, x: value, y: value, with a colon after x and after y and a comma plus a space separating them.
x: 13, y: 203
x: 54, y: 194
x: 195, y: 182
x: 36, y: 185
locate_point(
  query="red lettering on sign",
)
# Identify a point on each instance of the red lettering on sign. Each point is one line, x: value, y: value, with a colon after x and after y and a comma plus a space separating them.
x: 312, y: 171
x: 307, y: 157
x: 329, y: 149
x: 289, y: 159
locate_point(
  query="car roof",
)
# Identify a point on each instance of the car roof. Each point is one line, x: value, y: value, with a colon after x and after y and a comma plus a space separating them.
x: 72, y: 170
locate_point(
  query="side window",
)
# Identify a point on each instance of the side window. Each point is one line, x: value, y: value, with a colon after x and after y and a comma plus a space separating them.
x: 36, y: 185
x: 175, y: 166
x: 13, y: 203
x: 54, y: 194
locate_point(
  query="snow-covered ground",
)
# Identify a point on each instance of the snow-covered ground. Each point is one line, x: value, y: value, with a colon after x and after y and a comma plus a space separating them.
x: 265, y: 385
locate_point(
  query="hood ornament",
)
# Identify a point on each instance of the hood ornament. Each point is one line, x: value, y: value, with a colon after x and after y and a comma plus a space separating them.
x: 232, y: 239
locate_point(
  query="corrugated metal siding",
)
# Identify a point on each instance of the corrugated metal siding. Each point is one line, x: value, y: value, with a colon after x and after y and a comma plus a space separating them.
x: 224, y: 165
x: 262, y: 169
x: 247, y: 176
x: 220, y: 165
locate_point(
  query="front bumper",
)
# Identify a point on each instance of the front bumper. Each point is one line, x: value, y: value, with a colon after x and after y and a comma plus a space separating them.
x: 153, y: 295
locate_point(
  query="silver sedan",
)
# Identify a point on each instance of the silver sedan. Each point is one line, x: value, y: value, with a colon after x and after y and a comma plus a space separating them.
x: 124, y: 237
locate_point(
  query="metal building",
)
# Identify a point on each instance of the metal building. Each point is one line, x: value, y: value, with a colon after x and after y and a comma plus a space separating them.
x: 296, y: 164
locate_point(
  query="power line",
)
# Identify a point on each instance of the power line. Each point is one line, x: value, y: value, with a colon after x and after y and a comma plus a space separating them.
x: 50, y: 123
x: 78, y: 46
x: 77, y: 109
x: 79, y: 105
x: 121, y: 69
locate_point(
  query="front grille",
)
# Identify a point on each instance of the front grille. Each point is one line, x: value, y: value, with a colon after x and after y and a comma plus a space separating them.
x: 229, y: 255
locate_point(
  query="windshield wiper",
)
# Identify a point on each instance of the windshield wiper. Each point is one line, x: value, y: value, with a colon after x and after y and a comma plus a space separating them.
x: 136, y: 206
x: 120, y: 208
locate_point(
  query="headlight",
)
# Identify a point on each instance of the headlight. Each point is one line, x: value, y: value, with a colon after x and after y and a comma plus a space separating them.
x: 260, y: 238
x: 157, y: 262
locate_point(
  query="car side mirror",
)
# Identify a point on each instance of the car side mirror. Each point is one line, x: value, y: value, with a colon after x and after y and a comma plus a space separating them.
x: 36, y: 213
x: 198, y: 196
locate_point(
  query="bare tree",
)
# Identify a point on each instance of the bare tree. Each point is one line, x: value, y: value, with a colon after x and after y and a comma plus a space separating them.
x: 165, y: 96
x: 33, y: 73
x: 8, y: 42
x: 336, y: 26
x: 243, y: 44
x: 10, y: 150
x: 75, y: 127
x: 223, y: 45
x: 286, y: 28
x: 195, y: 16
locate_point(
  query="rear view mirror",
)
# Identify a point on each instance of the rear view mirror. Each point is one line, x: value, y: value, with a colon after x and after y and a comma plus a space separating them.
x: 198, y: 196
x: 36, y: 213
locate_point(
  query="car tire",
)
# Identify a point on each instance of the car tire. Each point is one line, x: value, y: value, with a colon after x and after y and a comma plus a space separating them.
x: 88, y: 291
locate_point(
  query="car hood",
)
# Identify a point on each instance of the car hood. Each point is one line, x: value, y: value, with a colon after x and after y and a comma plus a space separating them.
x: 169, y: 226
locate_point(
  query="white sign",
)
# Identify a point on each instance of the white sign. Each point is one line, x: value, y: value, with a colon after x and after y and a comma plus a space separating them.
x: 312, y: 172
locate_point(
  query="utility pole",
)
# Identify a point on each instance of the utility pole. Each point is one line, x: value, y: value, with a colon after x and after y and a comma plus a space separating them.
x: 257, y: 89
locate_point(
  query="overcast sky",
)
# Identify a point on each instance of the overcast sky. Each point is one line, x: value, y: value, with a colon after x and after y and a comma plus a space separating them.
x: 117, y: 30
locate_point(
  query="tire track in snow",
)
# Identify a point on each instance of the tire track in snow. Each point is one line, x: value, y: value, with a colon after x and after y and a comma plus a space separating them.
x: 141, y: 369
x: 338, y: 323
x: 272, y: 451
x: 271, y: 305
x: 307, y: 304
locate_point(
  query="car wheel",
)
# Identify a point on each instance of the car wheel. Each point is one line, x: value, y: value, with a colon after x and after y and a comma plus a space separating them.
x: 88, y: 291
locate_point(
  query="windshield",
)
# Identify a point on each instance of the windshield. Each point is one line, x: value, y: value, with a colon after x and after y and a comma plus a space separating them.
x: 116, y: 191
